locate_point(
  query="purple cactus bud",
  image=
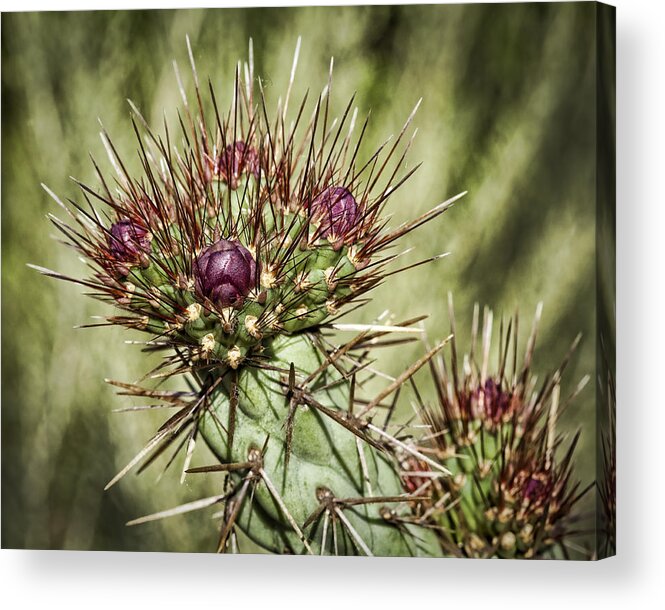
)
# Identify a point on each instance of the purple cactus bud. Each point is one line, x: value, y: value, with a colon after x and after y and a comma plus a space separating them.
x: 225, y: 273
x: 336, y: 210
x: 536, y: 488
x: 235, y: 160
x: 128, y: 240
x: 496, y: 402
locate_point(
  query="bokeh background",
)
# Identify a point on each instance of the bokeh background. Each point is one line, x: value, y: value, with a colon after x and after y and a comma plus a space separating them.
x: 508, y: 114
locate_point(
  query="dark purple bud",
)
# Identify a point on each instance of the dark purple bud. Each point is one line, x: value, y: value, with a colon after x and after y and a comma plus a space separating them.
x: 497, y: 403
x: 128, y: 240
x: 225, y: 273
x: 536, y: 488
x: 236, y: 159
x: 337, y: 212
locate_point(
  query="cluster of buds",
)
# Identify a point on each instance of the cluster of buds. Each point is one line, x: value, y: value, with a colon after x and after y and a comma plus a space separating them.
x: 233, y: 254
x: 218, y: 284
x: 511, y: 493
x: 244, y: 236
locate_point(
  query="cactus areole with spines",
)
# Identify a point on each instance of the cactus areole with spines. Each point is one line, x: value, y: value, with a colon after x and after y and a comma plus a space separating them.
x: 236, y: 254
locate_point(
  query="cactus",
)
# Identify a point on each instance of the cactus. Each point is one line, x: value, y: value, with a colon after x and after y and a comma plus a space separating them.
x: 508, y: 495
x: 236, y: 255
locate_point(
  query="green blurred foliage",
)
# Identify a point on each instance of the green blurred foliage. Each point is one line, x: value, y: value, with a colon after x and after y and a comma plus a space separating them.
x: 508, y: 114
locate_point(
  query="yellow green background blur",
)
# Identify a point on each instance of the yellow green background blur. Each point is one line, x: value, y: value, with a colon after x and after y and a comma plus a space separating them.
x: 508, y: 114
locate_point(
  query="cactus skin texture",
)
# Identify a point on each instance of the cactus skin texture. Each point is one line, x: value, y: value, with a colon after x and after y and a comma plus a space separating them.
x: 324, y: 459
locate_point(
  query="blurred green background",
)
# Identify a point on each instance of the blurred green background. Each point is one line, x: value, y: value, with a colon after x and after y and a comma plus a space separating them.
x: 508, y: 114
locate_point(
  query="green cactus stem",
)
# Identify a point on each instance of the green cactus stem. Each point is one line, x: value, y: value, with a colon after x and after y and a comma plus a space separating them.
x: 322, y: 464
